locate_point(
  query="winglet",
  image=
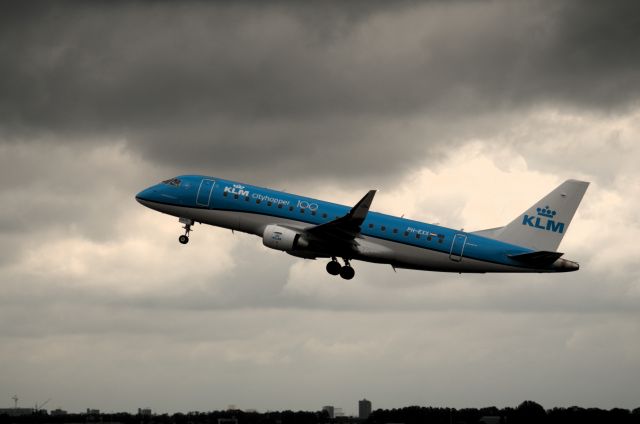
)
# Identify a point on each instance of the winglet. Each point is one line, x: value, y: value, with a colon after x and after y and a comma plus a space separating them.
x: 346, y: 227
x: 359, y: 212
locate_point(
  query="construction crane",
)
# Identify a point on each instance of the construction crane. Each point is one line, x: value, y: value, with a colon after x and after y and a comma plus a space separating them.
x: 38, y: 407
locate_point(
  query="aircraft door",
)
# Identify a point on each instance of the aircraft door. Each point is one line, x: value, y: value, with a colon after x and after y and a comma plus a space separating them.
x: 457, y: 247
x: 203, y: 198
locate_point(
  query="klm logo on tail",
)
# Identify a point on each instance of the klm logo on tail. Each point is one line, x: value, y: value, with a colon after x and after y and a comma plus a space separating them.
x: 544, y: 220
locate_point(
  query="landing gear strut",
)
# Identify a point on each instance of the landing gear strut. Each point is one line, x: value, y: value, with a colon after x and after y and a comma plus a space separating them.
x: 346, y: 271
x: 184, y: 239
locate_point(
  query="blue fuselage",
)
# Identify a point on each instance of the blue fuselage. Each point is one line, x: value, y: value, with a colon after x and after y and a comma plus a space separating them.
x: 400, y: 242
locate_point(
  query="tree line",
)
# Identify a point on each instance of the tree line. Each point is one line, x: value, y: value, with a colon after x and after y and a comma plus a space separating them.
x: 527, y: 412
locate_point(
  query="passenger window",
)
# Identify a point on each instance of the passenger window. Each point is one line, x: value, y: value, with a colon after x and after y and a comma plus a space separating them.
x: 290, y: 208
x: 406, y: 233
x: 417, y: 235
x: 235, y: 196
x: 383, y: 228
x: 324, y: 215
x: 429, y: 238
x: 224, y: 193
x: 246, y: 199
x: 269, y: 203
x: 313, y: 213
x: 370, y: 225
x: 395, y: 231
x: 279, y: 205
x: 257, y: 201
x: 301, y: 210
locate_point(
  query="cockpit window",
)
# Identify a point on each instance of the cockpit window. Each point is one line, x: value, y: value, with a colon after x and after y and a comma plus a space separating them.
x: 175, y: 182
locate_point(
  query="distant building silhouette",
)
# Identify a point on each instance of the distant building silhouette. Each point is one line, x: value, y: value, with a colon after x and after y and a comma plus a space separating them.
x: 145, y: 412
x: 364, y: 409
x: 330, y: 410
x: 16, y: 412
x: 58, y: 412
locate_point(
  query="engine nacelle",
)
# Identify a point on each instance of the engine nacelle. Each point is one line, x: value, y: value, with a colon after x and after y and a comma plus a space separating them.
x: 281, y: 238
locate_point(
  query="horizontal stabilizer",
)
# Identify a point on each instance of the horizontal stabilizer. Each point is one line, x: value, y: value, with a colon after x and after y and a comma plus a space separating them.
x: 541, y: 257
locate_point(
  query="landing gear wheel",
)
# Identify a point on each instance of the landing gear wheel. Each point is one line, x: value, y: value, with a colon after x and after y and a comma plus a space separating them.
x: 334, y: 268
x: 184, y: 239
x: 347, y: 272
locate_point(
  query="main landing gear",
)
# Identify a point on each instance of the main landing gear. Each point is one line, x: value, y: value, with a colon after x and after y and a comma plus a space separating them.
x: 346, y: 271
x: 184, y: 239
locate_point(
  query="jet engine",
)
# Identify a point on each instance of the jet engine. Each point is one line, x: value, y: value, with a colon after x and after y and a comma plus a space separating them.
x: 281, y: 238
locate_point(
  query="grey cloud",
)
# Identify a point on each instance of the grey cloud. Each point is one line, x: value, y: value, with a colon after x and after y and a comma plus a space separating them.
x: 425, y: 356
x: 259, y: 281
x: 223, y: 86
x: 98, y: 100
x: 51, y: 187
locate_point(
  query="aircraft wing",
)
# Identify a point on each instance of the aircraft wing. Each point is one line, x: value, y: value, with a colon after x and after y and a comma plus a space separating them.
x: 347, y: 227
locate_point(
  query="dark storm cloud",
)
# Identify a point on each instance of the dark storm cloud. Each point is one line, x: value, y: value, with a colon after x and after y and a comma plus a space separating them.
x: 224, y: 85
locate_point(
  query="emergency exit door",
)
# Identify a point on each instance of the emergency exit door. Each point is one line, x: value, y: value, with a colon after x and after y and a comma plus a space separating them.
x: 203, y: 198
x: 457, y: 247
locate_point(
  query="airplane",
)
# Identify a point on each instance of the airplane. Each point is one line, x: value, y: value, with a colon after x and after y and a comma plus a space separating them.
x: 310, y: 228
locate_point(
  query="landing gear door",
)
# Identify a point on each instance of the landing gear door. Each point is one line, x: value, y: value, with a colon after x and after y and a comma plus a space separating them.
x: 203, y: 198
x: 457, y: 247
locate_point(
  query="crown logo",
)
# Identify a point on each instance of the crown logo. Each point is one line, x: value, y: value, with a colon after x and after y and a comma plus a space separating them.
x: 546, y: 212
x: 238, y: 186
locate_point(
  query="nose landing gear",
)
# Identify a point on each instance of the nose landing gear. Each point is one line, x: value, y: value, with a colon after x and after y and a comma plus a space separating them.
x: 184, y: 239
x: 346, y: 271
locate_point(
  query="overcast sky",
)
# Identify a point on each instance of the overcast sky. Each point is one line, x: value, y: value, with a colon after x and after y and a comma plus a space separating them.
x: 462, y: 113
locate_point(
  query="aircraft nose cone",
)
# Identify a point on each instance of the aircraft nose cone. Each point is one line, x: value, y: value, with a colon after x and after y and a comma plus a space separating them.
x: 145, y: 196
